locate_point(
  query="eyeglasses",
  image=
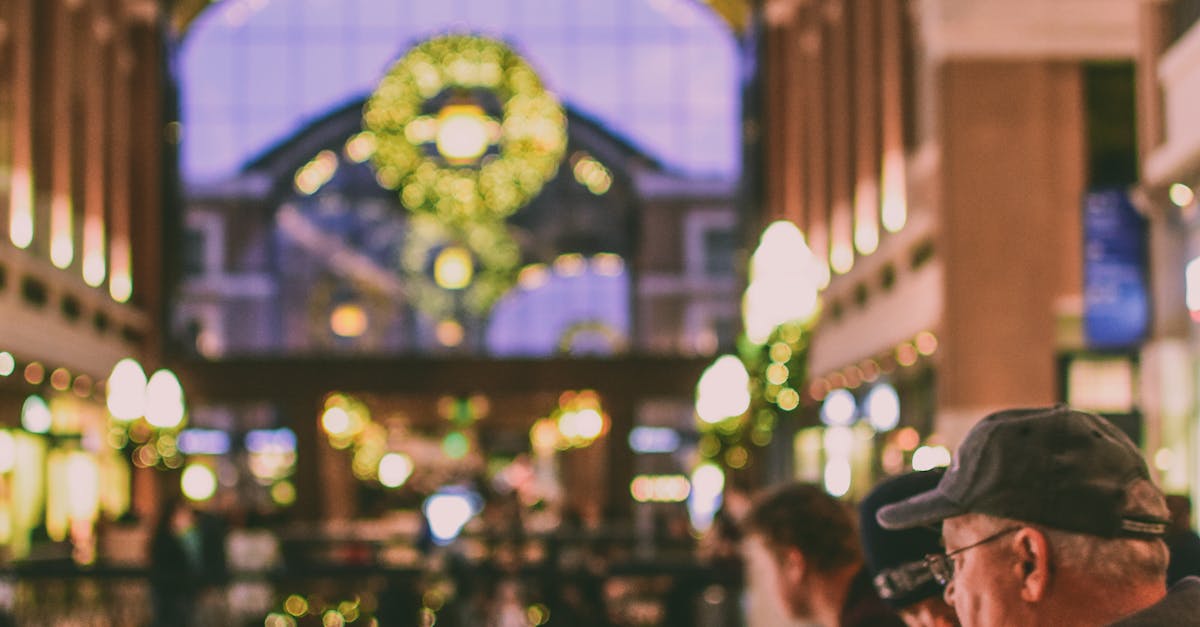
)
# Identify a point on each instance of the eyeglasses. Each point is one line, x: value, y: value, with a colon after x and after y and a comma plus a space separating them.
x: 903, y: 579
x: 942, y: 564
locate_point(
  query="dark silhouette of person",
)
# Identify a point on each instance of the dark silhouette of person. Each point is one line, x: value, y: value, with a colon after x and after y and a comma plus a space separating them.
x: 187, y: 558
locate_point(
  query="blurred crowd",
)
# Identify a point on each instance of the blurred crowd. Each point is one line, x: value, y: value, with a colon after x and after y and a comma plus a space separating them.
x: 1045, y: 516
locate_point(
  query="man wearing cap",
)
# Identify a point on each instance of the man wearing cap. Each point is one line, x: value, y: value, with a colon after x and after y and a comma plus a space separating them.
x: 896, y: 558
x: 1049, y: 517
x: 814, y: 551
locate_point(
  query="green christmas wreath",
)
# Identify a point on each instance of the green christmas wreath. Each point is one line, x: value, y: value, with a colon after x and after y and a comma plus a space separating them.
x: 465, y: 130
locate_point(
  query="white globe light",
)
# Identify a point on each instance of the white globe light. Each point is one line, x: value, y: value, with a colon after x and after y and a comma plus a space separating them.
x: 35, y: 415
x: 127, y: 390
x: 838, y: 408
x: 198, y: 482
x: 883, y: 407
x: 447, y: 513
x: 589, y: 423
x: 164, y: 400
x: 781, y: 251
x: 395, y: 469
x: 768, y: 304
x: 708, y: 480
x: 784, y: 282
x: 462, y: 135
x: 723, y: 391
x: 838, y: 476
x: 335, y: 420
x: 453, y: 268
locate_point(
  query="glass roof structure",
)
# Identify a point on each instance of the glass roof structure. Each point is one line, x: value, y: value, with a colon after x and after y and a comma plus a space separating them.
x: 663, y: 73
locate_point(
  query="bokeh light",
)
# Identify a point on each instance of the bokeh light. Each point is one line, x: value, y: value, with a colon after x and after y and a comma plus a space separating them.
x: 706, y: 496
x: 453, y: 268
x: 882, y: 407
x: 723, y: 391
x: 930, y: 457
x: 198, y: 482
x: 395, y: 469
x: 35, y: 415
x: 839, y: 408
x: 447, y: 513
x: 348, y: 320
x: 127, y: 390
x: 837, y: 476
x: 335, y: 421
x: 1181, y: 194
x: 660, y: 488
x: 164, y: 400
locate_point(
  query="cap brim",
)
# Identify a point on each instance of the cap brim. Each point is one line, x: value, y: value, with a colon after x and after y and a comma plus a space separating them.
x: 927, y: 508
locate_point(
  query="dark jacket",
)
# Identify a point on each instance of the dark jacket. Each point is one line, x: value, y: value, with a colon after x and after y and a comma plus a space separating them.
x: 1180, y: 608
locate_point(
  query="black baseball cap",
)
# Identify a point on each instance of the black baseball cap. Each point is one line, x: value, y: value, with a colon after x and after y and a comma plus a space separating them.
x: 896, y: 557
x: 1054, y: 466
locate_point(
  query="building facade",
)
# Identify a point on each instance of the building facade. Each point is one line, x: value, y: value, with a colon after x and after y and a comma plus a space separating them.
x: 938, y: 155
x: 84, y: 157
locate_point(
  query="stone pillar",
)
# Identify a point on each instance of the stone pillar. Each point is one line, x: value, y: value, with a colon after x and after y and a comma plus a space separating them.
x: 1012, y: 179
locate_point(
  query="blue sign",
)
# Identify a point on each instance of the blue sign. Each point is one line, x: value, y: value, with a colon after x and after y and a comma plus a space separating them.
x: 1116, y: 306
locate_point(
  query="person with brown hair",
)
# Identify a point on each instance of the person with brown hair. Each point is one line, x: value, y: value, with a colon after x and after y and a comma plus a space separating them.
x: 818, y: 564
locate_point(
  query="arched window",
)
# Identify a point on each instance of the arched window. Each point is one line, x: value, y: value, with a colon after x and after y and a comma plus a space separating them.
x: 272, y: 95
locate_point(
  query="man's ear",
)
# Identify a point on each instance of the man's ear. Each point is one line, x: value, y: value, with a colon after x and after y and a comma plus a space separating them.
x: 794, y: 566
x: 1032, y: 568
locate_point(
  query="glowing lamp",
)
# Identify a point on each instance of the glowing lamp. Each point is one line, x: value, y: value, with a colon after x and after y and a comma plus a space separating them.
x: 930, y: 457
x: 35, y: 415
x: 447, y: 513
x: 348, y: 320
x: 723, y: 391
x: 837, y: 476
x: 164, y: 400
x: 395, y: 469
x: 839, y: 408
x: 127, y: 390
x: 883, y: 407
x: 784, y: 282
x: 463, y: 133
x: 335, y: 421
x: 198, y: 482
x: 1181, y: 195
x: 453, y: 269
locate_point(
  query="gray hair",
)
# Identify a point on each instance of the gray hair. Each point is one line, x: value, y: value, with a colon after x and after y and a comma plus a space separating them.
x: 1112, y: 561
